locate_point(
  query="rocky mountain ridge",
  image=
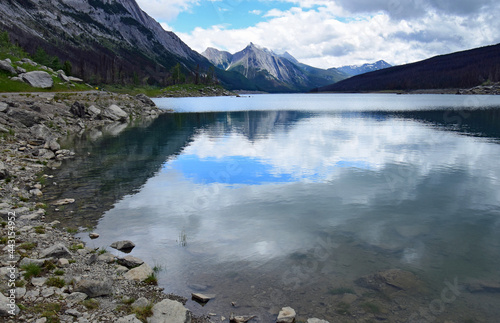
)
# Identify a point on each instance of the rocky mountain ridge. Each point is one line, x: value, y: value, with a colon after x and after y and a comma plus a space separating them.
x: 105, y: 40
x: 270, y: 70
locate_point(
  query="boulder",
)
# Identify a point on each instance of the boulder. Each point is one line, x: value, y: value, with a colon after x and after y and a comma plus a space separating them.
x: 62, y: 76
x: 26, y: 261
x: 57, y: 251
x: 115, y: 113
x: 315, y: 320
x: 4, y: 173
x: 130, y: 261
x: 46, y: 154
x: 123, y: 245
x: 106, y: 257
x: 139, y: 273
x: 145, y: 99
x: 94, y: 112
x: 6, y: 66
x: 75, y: 79
x: 38, y: 79
x: 78, y: 110
x: 169, y: 311
x: 141, y: 302
x: 41, y: 131
x: 286, y: 315
x: 20, y: 70
x: 129, y: 319
x: 76, y: 297
x: 29, y: 61
x: 94, y: 288
x: 4, y: 107
x: 53, y: 145
x: 26, y: 117
x: 8, y: 306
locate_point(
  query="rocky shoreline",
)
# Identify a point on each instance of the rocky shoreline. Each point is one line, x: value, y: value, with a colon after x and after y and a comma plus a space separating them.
x: 48, y: 275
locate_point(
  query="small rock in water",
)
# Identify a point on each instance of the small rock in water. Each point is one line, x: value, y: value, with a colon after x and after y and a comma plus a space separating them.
x: 130, y: 261
x: 124, y: 245
x: 240, y: 318
x: 204, y: 298
x: 63, y: 202
x: 93, y: 235
x: 286, y: 315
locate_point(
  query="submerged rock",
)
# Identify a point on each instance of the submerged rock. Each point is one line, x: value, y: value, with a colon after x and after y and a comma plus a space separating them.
x: 481, y: 286
x: 391, y: 280
x: 240, y: 318
x: 286, y: 315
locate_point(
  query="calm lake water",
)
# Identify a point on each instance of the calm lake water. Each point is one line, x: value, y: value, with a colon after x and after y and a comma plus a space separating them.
x: 287, y: 200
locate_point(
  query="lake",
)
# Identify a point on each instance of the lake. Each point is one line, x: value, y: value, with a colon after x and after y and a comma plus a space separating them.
x: 294, y: 200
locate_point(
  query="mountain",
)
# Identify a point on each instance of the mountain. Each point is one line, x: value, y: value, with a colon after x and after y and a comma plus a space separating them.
x: 463, y: 69
x: 353, y: 70
x: 107, y: 41
x: 272, y: 72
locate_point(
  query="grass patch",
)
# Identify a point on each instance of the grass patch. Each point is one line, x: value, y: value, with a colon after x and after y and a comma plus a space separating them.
x: 340, y: 291
x: 343, y: 308
x: 27, y: 245
x: 49, y: 311
x: 71, y: 230
x: 371, y: 308
x: 143, y: 312
x: 49, y: 265
x: 102, y: 251
x: 40, y: 230
x: 90, y: 304
x: 76, y: 246
x: 3, y: 240
x: 55, y: 282
x: 59, y: 272
x: 151, y: 280
x: 128, y: 301
x: 20, y: 283
x: 31, y: 270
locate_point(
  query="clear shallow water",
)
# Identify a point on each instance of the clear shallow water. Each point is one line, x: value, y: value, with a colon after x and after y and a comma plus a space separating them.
x: 283, y: 205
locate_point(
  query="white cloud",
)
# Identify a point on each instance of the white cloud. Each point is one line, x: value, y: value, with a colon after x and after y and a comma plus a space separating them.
x: 256, y: 12
x: 166, y: 9
x: 329, y: 36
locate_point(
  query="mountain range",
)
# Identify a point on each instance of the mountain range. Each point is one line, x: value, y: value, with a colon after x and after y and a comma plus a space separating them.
x: 353, y: 70
x: 460, y: 70
x: 115, y: 42
x: 272, y: 72
x: 107, y: 41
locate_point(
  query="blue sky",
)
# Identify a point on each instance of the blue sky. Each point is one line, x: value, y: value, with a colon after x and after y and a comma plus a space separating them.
x: 326, y: 33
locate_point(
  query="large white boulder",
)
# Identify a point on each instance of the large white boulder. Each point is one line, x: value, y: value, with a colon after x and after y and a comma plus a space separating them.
x: 38, y: 79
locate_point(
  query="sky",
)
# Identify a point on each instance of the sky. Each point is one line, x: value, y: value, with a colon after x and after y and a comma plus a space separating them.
x: 333, y: 33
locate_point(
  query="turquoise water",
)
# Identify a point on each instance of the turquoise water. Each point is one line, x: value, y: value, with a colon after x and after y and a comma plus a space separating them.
x: 279, y: 200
